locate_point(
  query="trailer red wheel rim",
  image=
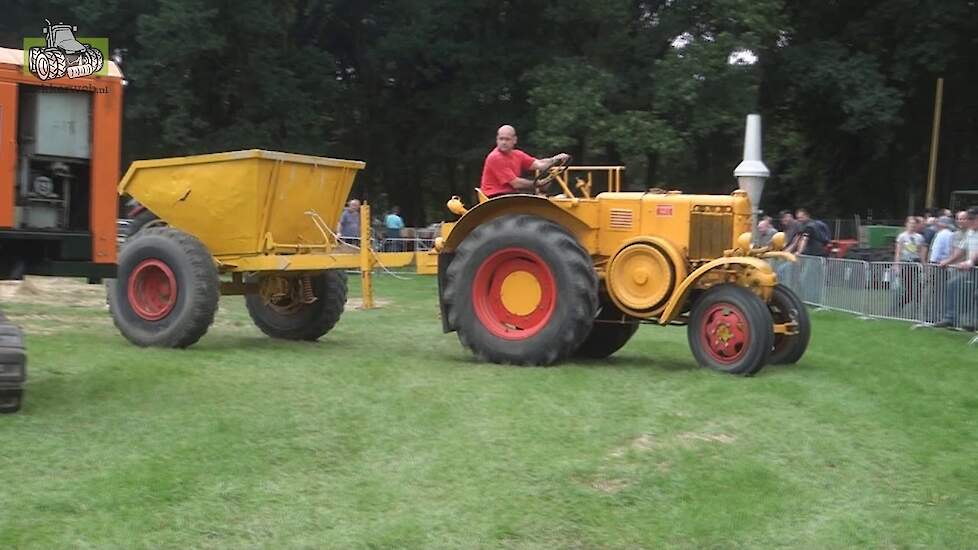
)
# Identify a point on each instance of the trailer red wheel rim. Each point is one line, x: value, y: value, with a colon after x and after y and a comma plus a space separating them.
x: 725, y: 333
x: 152, y: 290
x: 514, y: 294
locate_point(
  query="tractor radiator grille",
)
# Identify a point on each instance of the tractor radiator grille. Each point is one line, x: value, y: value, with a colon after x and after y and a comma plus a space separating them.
x: 710, y: 232
x: 620, y: 218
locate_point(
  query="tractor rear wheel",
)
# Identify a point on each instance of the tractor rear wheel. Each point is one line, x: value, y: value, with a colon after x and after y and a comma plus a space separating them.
x: 786, y: 306
x: 167, y: 289
x: 730, y: 330
x: 522, y: 291
x: 300, y: 307
x: 608, y: 334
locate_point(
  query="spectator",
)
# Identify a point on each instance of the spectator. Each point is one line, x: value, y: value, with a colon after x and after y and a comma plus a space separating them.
x: 910, y: 249
x: 941, y: 247
x: 928, y: 230
x: 393, y: 224
x: 765, y: 231
x: 814, y: 234
x: 936, y: 281
x: 960, y: 296
x: 349, y: 226
x: 789, y: 226
x: 961, y: 235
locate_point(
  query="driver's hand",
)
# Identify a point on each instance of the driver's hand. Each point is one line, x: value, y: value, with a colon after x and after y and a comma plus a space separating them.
x: 561, y: 157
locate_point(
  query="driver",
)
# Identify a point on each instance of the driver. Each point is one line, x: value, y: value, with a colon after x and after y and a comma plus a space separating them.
x: 504, y: 165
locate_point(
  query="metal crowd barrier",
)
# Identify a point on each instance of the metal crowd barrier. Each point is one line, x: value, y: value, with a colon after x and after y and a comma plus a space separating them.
x: 913, y: 292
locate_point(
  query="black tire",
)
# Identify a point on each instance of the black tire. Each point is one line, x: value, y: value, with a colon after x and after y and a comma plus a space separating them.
x: 605, y: 337
x: 730, y: 305
x: 306, y: 321
x: 11, y: 400
x: 553, y: 251
x: 196, y: 281
x: 786, y: 306
x: 139, y: 222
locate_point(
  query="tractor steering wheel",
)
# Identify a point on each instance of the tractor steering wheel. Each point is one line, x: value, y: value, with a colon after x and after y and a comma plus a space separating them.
x: 542, y: 182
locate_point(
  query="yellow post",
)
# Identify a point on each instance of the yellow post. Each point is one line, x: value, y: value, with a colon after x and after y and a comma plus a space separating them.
x: 934, y: 138
x: 366, y: 261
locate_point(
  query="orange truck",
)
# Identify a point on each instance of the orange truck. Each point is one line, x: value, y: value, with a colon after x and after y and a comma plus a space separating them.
x: 59, y: 168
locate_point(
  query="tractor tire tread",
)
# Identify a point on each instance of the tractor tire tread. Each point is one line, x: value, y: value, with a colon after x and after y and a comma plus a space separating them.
x: 579, y: 292
x: 204, y: 288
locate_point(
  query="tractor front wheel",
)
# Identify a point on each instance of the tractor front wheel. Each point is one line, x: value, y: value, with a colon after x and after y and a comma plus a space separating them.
x: 167, y: 289
x: 730, y: 330
x: 521, y: 290
x: 785, y: 307
x: 612, y: 329
x: 298, y: 307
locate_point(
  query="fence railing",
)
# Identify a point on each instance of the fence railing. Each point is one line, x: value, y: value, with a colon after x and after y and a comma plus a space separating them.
x: 914, y: 292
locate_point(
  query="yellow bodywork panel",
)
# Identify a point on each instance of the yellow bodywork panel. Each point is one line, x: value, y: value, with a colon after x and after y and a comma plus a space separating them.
x: 573, y: 217
x: 753, y: 273
x: 247, y: 203
x: 702, y: 226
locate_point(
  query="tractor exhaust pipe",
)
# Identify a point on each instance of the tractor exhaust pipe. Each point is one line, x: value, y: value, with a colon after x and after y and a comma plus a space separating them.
x: 751, y: 172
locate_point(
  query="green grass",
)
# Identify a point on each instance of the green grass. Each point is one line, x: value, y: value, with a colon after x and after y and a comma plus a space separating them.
x: 387, y: 434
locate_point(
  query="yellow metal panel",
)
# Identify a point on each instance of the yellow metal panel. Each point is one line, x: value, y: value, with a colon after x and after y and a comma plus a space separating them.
x: 395, y: 259
x: 426, y: 263
x: 290, y: 262
x: 231, y: 200
x: 675, y: 305
x: 576, y: 219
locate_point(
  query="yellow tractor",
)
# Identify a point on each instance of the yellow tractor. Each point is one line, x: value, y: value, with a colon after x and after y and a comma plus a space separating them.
x: 534, y: 279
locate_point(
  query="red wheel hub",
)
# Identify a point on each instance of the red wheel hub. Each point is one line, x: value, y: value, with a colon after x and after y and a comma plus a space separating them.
x: 152, y: 290
x: 514, y: 294
x: 725, y: 333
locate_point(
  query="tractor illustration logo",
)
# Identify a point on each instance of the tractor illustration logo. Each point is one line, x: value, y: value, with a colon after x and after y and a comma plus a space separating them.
x: 62, y: 54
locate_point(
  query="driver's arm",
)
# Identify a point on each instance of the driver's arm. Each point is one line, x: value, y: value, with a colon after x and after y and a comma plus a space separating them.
x: 545, y: 164
x: 522, y: 184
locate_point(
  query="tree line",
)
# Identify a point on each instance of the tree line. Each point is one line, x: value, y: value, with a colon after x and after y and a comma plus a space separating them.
x: 416, y: 88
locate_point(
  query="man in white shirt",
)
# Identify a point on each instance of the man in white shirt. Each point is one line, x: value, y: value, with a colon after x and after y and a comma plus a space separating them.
x: 960, y: 296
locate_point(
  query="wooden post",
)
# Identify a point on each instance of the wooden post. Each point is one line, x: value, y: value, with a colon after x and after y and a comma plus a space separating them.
x: 934, y: 139
x: 366, y: 261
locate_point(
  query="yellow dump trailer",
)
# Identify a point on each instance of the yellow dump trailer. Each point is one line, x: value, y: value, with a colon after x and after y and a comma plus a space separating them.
x: 262, y: 219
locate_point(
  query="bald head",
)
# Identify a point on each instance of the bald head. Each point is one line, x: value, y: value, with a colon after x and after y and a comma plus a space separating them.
x: 506, y: 138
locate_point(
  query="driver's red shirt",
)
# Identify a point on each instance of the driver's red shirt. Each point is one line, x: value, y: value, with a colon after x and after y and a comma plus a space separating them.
x: 501, y: 168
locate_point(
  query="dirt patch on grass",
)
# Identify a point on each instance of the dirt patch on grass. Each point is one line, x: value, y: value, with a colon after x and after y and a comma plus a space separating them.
x: 648, y: 442
x: 695, y: 437
x: 609, y: 486
x: 54, y: 291
x: 65, y: 292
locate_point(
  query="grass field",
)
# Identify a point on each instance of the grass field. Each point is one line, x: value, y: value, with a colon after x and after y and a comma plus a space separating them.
x: 387, y: 434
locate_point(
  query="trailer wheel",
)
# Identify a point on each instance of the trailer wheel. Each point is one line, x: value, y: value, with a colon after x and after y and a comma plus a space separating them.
x: 730, y: 330
x: 299, y: 307
x: 786, y: 306
x: 606, y: 337
x: 167, y: 289
x: 501, y: 291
